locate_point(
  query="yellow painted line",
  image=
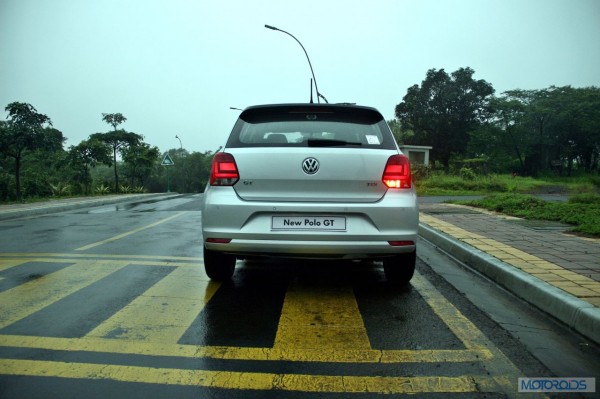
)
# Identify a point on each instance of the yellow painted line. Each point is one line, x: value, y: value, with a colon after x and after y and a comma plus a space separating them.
x: 504, y: 372
x: 314, y: 316
x: 128, y: 233
x: 164, y: 312
x: 25, y: 299
x: 8, y: 263
x: 317, y: 355
x: 117, y: 260
x: 460, y: 325
x: 244, y: 380
x: 45, y: 256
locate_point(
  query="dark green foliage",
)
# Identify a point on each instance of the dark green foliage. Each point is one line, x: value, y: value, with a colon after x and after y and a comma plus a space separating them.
x: 529, y: 132
x: 475, y: 136
x: 443, y: 110
x: 592, y: 199
x: 442, y: 184
x: 119, y: 141
x: 26, y: 130
x: 33, y: 163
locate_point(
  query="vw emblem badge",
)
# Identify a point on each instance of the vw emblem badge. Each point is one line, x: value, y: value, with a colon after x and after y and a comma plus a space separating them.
x: 310, y: 166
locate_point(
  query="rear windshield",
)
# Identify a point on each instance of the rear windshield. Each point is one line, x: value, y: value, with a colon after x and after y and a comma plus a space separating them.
x: 306, y: 128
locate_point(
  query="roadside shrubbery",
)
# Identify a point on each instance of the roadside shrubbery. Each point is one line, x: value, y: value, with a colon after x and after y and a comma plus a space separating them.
x: 102, y: 189
x: 466, y: 182
x: 513, y: 195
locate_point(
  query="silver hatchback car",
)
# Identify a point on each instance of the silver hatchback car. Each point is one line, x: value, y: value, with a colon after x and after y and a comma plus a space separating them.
x: 317, y: 181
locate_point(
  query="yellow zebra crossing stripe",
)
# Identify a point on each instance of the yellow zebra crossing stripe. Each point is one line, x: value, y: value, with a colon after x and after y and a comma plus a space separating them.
x: 245, y: 380
x: 321, y: 317
x: 317, y: 324
x: 316, y: 355
x: 164, y: 312
x: 28, y: 298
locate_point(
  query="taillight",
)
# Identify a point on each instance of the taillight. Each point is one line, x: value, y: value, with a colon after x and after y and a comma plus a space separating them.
x: 219, y: 240
x: 401, y: 243
x: 397, y: 172
x: 224, y: 171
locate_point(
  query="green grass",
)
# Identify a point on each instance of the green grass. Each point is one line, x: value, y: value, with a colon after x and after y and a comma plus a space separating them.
x: 581, y: 211
x: 439, y: 183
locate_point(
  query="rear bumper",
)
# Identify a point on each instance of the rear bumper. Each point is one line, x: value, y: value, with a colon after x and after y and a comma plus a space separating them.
x: 311, y: 249
x: 370, y: 226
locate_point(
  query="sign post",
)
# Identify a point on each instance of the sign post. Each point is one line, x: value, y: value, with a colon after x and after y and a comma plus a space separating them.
x: 167, y: 161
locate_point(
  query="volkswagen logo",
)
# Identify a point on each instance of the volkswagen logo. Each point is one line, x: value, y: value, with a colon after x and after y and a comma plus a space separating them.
x: 310, y: 166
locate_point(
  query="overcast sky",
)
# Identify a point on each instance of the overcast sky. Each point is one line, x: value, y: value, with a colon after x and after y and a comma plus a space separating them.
x: 175, y: 67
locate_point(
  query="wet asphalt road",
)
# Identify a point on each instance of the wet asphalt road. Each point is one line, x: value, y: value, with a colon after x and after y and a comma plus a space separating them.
x: 114, y: 302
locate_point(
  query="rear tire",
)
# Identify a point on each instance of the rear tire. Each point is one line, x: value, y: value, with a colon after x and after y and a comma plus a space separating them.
x: 218, y: 266
x: 399, y: 269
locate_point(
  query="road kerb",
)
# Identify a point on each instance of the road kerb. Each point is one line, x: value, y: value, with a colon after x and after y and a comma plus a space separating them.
x: 578, y: 314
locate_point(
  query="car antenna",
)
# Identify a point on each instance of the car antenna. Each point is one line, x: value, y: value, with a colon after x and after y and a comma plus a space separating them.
x: 311, y: 93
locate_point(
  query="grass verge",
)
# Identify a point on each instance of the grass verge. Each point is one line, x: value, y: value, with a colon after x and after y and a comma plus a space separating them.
x: 439, y: 183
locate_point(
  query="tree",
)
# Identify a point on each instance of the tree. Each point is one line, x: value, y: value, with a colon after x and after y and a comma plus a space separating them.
x: 114, y: 119
x: 557, y: 126
x: 587, y: 139
x: 572, y: 129
x: 88, y: 154
x: 26, y: 130
x: 198, y: 165
x: 140, y: 161
x: 401, y: 135
x: 501, y: 138
x: 444, y: 109
x: 190, y: 174
x: 118, y: 140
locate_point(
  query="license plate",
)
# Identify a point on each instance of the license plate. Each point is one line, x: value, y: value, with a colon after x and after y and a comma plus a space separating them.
x: 322, y: 223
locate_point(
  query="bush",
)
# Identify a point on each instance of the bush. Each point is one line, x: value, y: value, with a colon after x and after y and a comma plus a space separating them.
x: 467, y: 173
x: 514, y: 204
x: 35, y: 186
x: 125, y: 189
x: 7, y: 191
x: 439, y: 183
x: 585, y: 199
x: 102, y: 189
x: 420, y: 171
x: 60, y: 189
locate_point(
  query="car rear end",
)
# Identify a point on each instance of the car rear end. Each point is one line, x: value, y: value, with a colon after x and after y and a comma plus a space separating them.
x: 309, y: 180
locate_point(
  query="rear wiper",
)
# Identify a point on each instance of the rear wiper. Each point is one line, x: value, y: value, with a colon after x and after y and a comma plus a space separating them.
x: 329, y: 143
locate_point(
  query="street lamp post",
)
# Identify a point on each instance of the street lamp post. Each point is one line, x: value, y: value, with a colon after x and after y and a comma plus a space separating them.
x: 180, y: 155
x: 309, y: 64
x: 180, y: 146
